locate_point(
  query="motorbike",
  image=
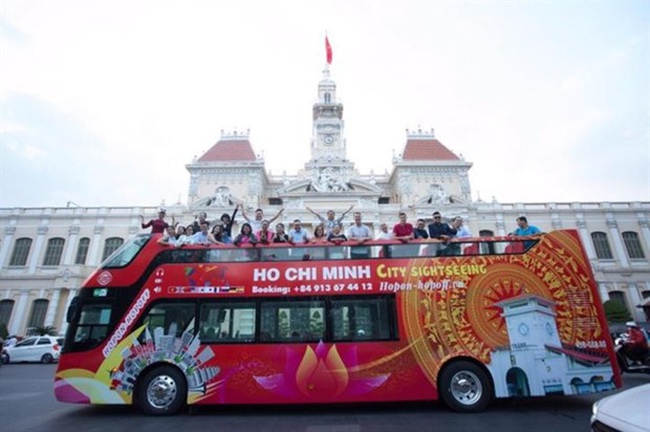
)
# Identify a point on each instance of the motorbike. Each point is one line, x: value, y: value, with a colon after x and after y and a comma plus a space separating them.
x: 628, y: 365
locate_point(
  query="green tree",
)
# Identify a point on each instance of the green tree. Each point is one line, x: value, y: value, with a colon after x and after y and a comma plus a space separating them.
x: 616, y: 312
x: 45, y: 330
x: 4, y: 332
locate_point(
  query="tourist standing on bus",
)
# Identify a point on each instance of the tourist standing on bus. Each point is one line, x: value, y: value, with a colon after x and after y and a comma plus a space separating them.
x: 331, y: 221
x: 319, y: 234
x: 360, y: 234
x: 420, y: 230
x: 384, y: 234
x: 523, y: 229
x: 158, y: 225
x: 256, y: 223
x: 186, y: 238
x: 202, y: 237
x: 441, y: 231
x: 169, y: 237
x: 264, y: 235
x: 226, y: 222
x: 280, y: 236
x: 297, y: 234
x: 403, y: 231
x: 216, y: 235
x: 200, y: 218
x: 245, y: 236
x: 337, y: 236
x: 459, y: 226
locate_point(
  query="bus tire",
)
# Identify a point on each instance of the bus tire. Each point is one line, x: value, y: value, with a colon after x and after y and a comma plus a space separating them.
x: 162, y: 391
x: 465, y: 387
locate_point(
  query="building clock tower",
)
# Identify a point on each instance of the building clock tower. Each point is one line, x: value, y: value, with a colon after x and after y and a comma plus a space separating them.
x: 329, y: 168
x: 328, y: 139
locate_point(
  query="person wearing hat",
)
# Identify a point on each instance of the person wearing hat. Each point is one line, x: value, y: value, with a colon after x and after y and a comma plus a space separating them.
x: 635, y: 346
x: 158, y: 226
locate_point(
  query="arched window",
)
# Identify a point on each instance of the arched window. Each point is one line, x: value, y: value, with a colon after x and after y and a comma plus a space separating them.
x: 54, y: 251
x: 20, y: 252
x: 6, y: 307
x: 603, y: 251
x: 633, y: 245
x: 82, y: 251
x: 37, y: 317
x: 618, y: 296
x: 111, y: 245
x: 328, y: 98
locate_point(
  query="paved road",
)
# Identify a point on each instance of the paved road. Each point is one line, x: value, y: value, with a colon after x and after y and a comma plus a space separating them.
x: 27, y: 404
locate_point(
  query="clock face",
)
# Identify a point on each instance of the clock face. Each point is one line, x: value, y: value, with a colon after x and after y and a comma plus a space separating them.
x: 328, y: 139
x: 549, y: 329
x: 523, y: 329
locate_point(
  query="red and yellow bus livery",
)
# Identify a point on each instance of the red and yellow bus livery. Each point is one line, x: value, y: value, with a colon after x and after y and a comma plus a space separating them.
x: 165, y: 327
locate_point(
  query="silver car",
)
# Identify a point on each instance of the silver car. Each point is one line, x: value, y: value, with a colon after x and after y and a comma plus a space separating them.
x: 44, y: 349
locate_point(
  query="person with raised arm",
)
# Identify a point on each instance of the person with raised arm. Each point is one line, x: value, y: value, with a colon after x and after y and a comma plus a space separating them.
x: 331, y: 220
x: 158, y: 225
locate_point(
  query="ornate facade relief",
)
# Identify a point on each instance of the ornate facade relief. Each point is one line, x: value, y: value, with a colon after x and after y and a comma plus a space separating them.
x: 328, y: 180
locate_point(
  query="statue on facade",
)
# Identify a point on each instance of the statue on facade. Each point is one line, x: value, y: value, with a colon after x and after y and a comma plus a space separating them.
x: 328, y: 181
x: 221, y: 198
x: 438, y: 195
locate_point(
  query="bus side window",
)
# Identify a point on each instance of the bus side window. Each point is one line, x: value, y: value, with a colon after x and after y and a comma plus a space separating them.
x: 170, y: 319
x: 226, y: 322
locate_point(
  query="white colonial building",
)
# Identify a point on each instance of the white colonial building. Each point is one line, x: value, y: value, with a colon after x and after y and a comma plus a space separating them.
x: 46, y: 253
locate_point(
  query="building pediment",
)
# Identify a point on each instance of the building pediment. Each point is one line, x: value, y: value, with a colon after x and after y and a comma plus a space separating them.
x: 330, y: 186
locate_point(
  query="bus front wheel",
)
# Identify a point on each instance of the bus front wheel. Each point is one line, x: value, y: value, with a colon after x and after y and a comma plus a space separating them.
x: 163, y: 391
x: 465, y: 387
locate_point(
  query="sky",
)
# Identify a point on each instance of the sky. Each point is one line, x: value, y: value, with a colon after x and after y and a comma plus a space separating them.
x: 103, y: 103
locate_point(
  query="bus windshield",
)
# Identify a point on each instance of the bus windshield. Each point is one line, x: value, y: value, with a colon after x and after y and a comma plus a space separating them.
x: 125, y: 253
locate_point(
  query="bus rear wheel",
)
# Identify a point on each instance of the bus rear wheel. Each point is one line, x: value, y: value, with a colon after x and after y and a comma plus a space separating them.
x: 465, y: 387
x: 163, y: 391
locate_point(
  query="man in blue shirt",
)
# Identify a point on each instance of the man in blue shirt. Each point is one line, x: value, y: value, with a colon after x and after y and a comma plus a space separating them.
x: 523, y: 229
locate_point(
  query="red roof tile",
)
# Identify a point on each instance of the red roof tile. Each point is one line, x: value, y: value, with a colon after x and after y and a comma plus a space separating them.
x: 427, y: 149
x: 229, y: 150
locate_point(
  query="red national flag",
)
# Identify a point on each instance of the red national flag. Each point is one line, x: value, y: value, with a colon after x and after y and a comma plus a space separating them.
x: 328, y: 50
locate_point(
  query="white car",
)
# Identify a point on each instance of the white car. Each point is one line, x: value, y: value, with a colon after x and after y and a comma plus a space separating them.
x: 626, y: 411
x: 44, y: 349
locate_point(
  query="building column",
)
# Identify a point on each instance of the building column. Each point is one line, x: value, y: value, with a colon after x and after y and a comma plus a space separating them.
x: 586, y: 239
x: 501, y: 226
x: 6, y: 243
x: 38, y: 246
x: 635, y: 299
x: 18, y: 316
x: 602, y: 290
x: 618, y: 242
x: 73, y: 233
x: 94, y: 250
x: 52, y: 307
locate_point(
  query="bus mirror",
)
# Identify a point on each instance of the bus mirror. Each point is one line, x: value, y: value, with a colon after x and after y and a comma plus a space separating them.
x: 73, y: 310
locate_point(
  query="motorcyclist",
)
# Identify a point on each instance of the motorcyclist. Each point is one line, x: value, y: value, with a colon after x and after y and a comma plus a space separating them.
x: 635, y: 345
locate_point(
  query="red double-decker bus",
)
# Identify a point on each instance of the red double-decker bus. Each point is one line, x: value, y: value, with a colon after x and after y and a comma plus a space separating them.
x: 464, y: 321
